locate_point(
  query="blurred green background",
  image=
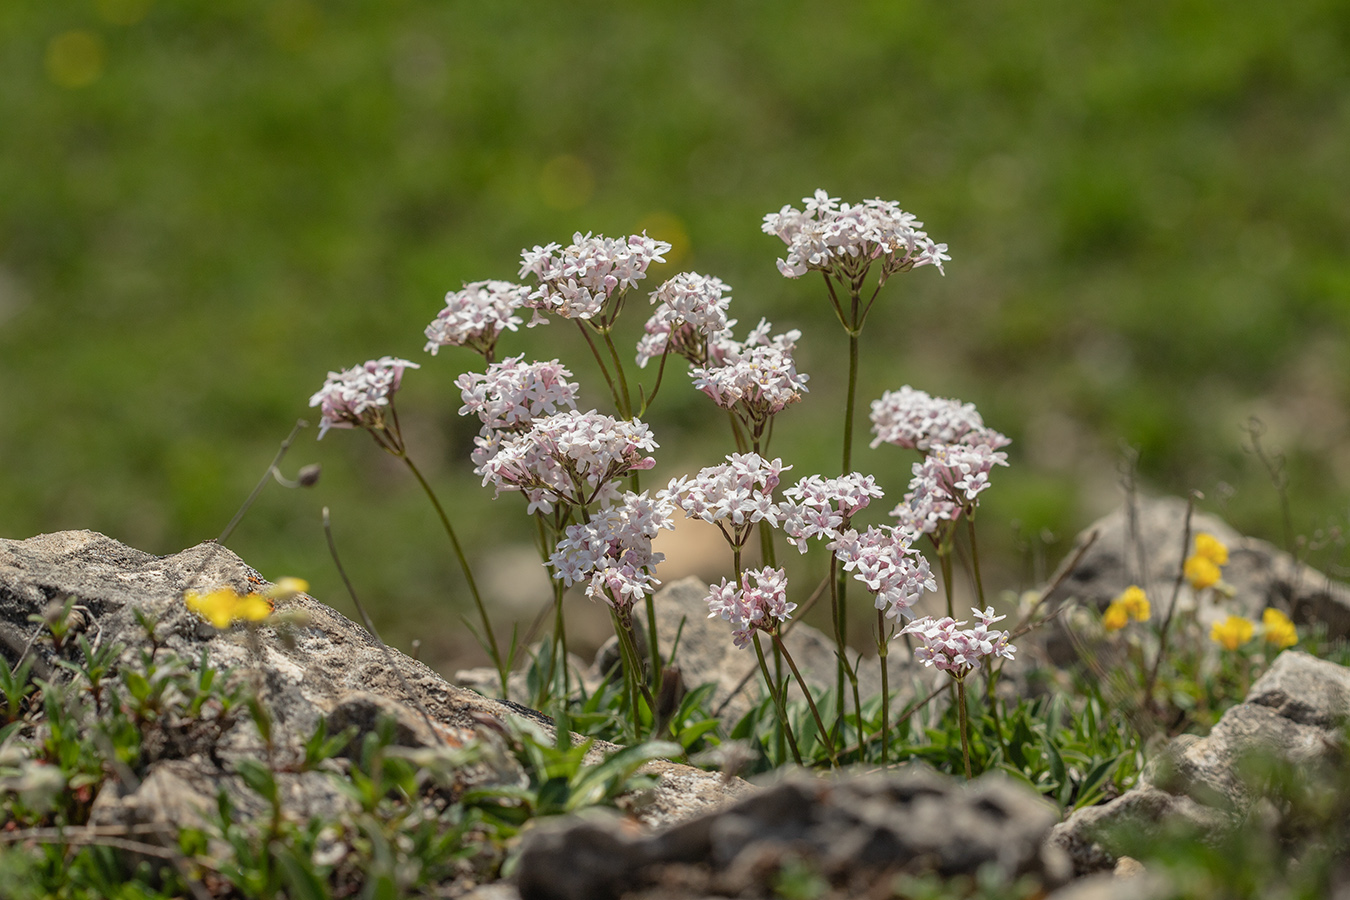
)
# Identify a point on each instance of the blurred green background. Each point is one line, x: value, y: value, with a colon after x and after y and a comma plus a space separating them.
x: 205, y: 206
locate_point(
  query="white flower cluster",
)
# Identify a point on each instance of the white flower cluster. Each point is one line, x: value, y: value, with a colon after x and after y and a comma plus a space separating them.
x: 944, y: 644
x: 883, y: 560
x: 734, y: 496
x: 844, y: 239
x: 509, y: 396
x: 476, y: 316
x: 571, y: 457
x: 762, y: 606
x: 613, y: 551
x: 759, y: 374
x: 946, y: 484
x: 690, y: 308
x: 575, y: 282
x: 819, y: 507
x: 513, y: 393
x: 357, y: 396
x: 913, y: 419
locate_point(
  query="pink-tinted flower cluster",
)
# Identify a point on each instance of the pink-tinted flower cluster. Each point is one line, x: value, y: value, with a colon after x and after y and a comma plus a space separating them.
x: 689, y: 309
x: 758, y: 377
x: 883, y: 560
x: 575, y: 282
x: 946, y: 484
x: 913, y: 419
x: 734, y: 496
x: 944, y: 644
x: 571, y: 457
x: 357, y: 397
x: 818, y: 507
x: 761, y: 606
x: 613, y: 551
x: 476, y: 316
x: 509, y: 396
x: 513, y: 393
x: 844, y: 239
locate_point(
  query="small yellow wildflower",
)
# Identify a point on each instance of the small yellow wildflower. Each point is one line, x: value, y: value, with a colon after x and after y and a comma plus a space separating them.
x: 1278, y: 629
x: 1232, y: 632
x: 1202, y: 572
x: 1135, y: 602
x: 1211, y: 548
x: 287, y: 588
x: 1115, y: 617
x: 224, y: 606
x: 1202, y: 567
x: 1131, y: 604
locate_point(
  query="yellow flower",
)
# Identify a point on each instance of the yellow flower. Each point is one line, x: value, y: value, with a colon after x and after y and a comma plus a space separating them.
x: 1135, y: 602
x: 1202, y: 567
x: 1202, y: 572
x: 1211, y: 548
x: 1115, y: 617
x: 223, y: 606
x: 1232, y: 632
x: 287, y: 588
x: 1278, y: 629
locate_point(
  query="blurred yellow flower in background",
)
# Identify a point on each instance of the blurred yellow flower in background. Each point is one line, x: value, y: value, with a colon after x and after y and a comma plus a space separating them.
x: 1131, y: 604
x: 225, y: 606
x: 1211, y: 548
x: 1202, y: 568
x: 1278, y: 630
x: 1232, y: 632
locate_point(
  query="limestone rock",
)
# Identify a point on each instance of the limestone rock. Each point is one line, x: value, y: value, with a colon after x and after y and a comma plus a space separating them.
x: 856, y: 831
x: 1142, y: 544
x: 1294, y: 713
x: 327, y: 666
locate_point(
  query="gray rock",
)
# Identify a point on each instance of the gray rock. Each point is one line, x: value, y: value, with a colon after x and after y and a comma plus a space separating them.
x: 1143, y: 545
x: 856, y: 831
x: 1293, y: 714
x: 326, y: 666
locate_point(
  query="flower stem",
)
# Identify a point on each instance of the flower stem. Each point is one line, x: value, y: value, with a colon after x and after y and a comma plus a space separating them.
x: 627, y: 409
x: 492, y: 648
x: 975, y: 559
x: 883, y: 647
x: 777, y: 700
x: 600, y: 361
x: 810, y: 700
x: 965, y: 725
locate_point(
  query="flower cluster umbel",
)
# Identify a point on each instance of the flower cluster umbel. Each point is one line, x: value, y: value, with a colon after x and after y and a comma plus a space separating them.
x: 844, y: 239
x: 359, y: 397
x: 577, y: 281
x: 761, y: 606
x: 572, y: 457
x: 946, y: 645
x: 613, y: 551
x: 476, y: 316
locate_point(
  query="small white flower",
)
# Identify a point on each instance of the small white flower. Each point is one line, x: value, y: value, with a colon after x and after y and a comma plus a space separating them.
x: 357, y: 396
x: 476, y: 316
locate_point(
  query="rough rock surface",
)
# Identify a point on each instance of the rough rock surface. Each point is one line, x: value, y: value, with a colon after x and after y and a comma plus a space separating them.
x: 857, y: 831
x: 1294, y: 713
x: 1141, y: 543
x: 330, y: 667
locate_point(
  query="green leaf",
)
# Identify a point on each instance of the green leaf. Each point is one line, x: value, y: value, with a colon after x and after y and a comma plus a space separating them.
x: 259, y: 778
x: 607, y: 780
x: 302, y: 883
x: 1089, y: 791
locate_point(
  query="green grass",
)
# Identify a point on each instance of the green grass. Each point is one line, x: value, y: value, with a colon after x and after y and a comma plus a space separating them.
x: 1145, y: 208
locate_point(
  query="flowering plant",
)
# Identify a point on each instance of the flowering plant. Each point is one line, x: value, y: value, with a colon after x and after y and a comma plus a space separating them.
x: 579, y: 472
